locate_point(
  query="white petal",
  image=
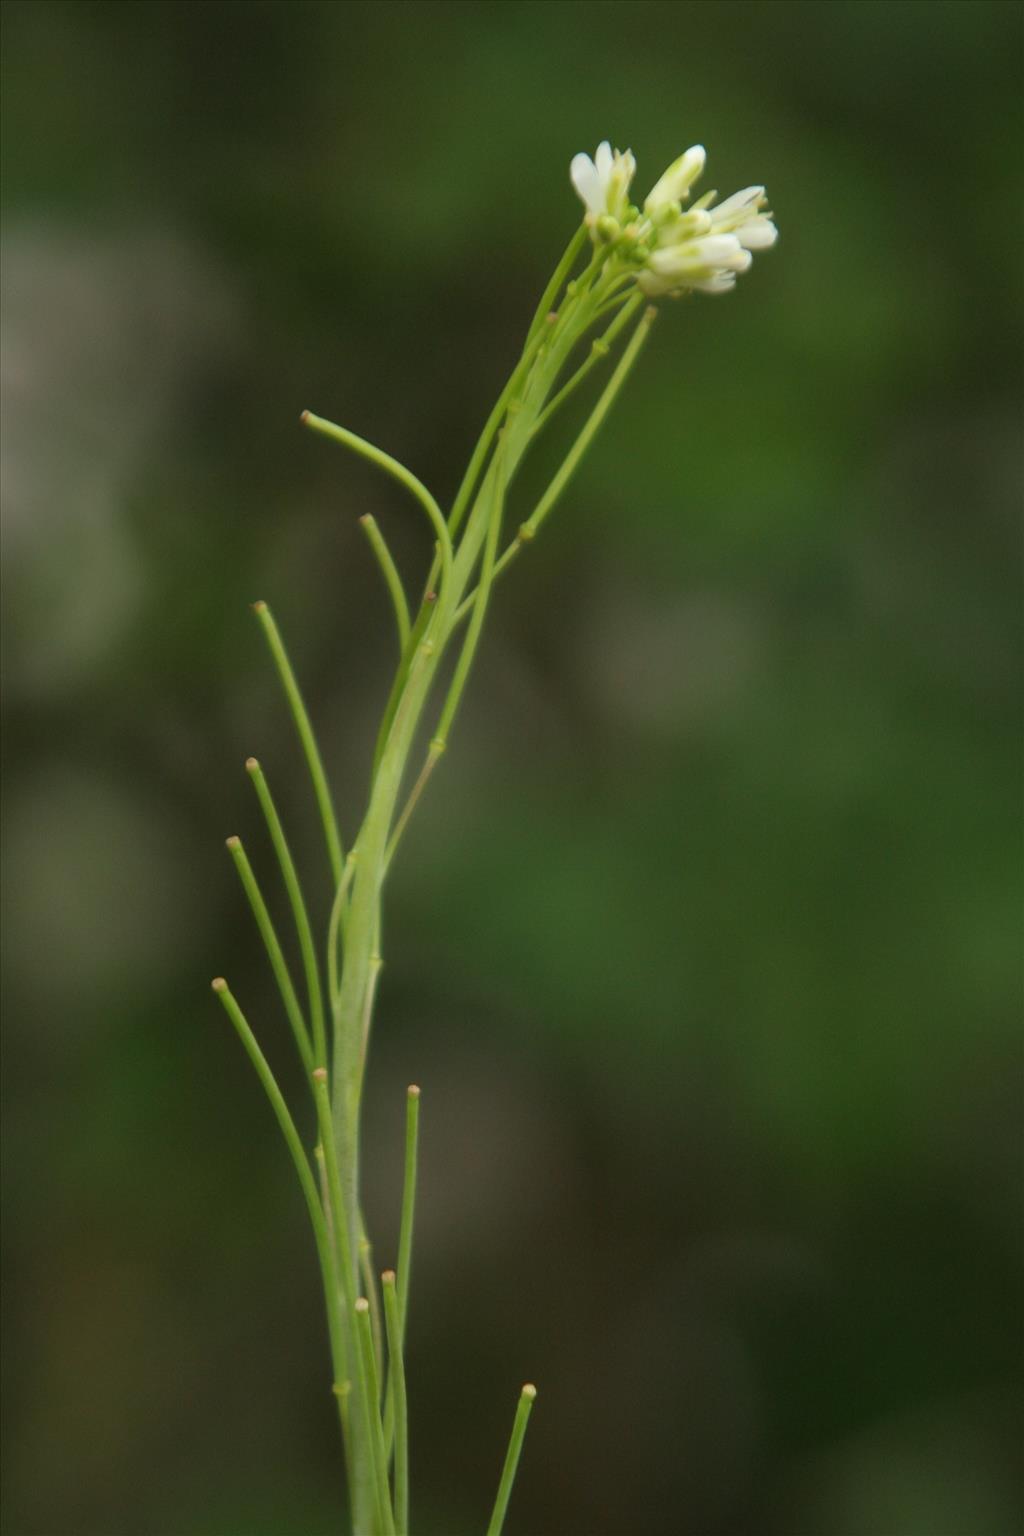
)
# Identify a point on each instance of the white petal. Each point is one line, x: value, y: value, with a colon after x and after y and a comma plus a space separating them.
x: 738, y: 200
x: 653, y: 285
x: 721, y: 251
x: 720, y: 283
x: 687, y: 169
x: 757, y: 234
x: 584, y: 177
x: 670, y: 260
x: 674, y: 186
x: 603, y: 159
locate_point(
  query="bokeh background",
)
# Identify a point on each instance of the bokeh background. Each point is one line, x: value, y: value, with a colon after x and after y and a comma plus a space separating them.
x: 705, y: 952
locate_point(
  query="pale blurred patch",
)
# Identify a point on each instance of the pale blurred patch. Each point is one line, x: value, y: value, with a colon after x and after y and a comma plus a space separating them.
x: 102, y: 336
x: 99, y: 898
x: 663, y: 667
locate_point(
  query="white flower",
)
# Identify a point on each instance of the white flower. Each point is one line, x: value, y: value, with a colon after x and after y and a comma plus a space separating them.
x: 603, y: 183
x: 670, y: 251
x: 708, y: 263
x: 673, y: 188
x: 741, y: 215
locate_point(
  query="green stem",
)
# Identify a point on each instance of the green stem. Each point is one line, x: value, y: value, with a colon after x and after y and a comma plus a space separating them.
x: 397, y: 1396
x: 391, y: 577
x: 337, y: 1294
x: 373, y: 1427
x: 525, y: 405
x: 336, y: 926
x: 398, y: 472
x: 373, y: 978
x: 434, y: 754
x: 370, y: 1290
x: 468, y: 651
x: 417, y: 671
x: 594, y: 421
x: 599, y: 350
x: 462, y: 667
x: 515, y: 1446
x: 501, y: 565
x: 558, y: 277
x: 412, y: 1139
x: 527, y: 530
x: 337, y: 1204
x: 298, y: 905
x: 405, y: 1229
x: 362, y: 1455
x: 313, y: 1203
x: 306, y: 736
x: 493, y: 422
x: 364, y: 912
x: 404, y: 711
x: 427, y: 610
x: 275, y: 954
x: 611, y: 293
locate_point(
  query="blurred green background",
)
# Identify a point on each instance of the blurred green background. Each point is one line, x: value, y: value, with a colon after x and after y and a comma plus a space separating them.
x: 705, y: 952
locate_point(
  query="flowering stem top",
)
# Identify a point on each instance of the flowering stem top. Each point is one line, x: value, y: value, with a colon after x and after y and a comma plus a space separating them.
x: 592, y: 308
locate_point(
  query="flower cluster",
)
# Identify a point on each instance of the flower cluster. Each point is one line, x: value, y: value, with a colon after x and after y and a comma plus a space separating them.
x: 673, y: 249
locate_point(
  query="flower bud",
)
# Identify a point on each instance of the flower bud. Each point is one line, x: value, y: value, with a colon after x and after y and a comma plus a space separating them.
x: 674, y: 186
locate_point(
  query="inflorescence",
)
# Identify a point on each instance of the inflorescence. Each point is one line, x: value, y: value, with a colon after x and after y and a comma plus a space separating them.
x: 672, y: 250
